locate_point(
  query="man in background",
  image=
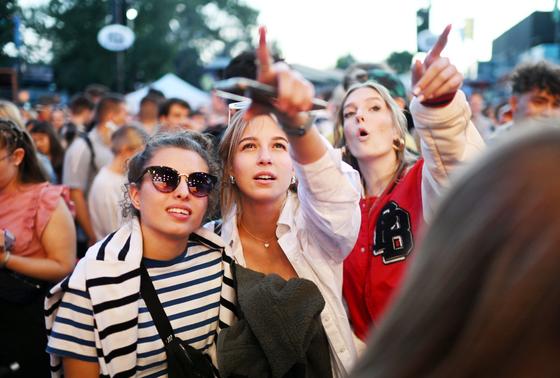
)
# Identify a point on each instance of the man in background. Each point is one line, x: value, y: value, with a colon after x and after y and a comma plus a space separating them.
x: 85, y: 157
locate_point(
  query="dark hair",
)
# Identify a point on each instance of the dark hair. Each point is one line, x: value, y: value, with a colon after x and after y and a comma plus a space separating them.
x: 96, y: 90
x: 109, y: 103
x: 150, y: 99
x: 542, y: 75
x: 56, y: 151
x: 81, y: 102
x: 187, y: 140
x: 165, y: 107
x: 122, y: 137
x: 156, y: 93
x: 481, y: 297
x: 244, y: 65
x: 13, y: 137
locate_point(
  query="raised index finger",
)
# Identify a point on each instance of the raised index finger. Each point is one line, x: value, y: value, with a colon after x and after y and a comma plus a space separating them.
x: 439, y: 46
x: 264, y: 59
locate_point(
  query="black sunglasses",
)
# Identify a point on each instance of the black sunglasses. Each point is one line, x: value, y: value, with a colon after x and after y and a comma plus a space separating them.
x: 167, y: 179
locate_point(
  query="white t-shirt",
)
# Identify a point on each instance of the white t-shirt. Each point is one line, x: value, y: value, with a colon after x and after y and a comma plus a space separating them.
x: 104, y: 202
x: 78, y: 171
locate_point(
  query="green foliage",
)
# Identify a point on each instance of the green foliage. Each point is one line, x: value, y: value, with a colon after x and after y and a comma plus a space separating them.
x: 400, y: 61
x: 171, y: 36
x: 345, y: 61
x: 8, y: 9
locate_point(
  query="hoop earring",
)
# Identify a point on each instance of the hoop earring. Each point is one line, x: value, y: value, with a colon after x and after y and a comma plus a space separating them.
x: 232, y: 180
x: 398, y: 144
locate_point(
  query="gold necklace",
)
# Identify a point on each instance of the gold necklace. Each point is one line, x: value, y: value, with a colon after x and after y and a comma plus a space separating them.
x: 266, y: 243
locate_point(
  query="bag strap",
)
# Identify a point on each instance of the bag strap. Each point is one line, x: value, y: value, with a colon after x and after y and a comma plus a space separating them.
x: 86, y: 139
x: 149, y: 295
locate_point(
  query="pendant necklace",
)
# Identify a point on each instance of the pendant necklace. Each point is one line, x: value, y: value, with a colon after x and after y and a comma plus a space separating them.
x: 266, y: 243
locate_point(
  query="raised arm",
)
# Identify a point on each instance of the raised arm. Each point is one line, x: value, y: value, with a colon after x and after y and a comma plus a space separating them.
x: 442, y: 118
x: 294, y: 100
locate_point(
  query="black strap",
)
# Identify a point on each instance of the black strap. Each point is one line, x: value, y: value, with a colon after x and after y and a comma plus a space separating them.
x: 149, y: 295
x: 86, y: 139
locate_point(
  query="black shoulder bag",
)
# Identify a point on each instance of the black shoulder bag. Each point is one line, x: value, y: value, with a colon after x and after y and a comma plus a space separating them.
x: 182, y: 359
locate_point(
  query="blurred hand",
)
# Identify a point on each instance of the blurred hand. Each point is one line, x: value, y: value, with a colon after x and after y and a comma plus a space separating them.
x: 436, y: 76
x: 295, y: 94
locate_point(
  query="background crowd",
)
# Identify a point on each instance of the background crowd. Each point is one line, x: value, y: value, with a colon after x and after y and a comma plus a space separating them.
x: 416, y: 219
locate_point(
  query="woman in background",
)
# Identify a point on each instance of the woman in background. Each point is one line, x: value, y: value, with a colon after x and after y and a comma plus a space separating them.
x: 36, y: 214
x: 47, y: 143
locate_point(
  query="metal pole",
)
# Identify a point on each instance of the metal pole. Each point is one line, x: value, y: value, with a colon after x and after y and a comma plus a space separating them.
x: 118, y: 19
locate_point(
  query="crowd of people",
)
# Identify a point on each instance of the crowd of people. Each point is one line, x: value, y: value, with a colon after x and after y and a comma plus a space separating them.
x: 413, y: 238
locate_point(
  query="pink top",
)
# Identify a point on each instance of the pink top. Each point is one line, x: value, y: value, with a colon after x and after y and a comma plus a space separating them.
x: 26, y: 214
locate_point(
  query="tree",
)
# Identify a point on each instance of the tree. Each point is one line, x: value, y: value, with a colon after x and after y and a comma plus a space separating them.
x: 8, y: 10
x: 345, y: 61
x: 171, y: 35
x: 400, y: 61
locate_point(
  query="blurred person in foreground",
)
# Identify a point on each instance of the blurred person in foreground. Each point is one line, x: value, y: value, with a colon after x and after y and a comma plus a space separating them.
x: 106, y: 194
x: 482, y: 298
x: 535, y: 88
x: 44, y: 251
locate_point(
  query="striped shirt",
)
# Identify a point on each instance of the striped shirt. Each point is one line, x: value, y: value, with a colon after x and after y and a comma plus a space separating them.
x: 189, y: 288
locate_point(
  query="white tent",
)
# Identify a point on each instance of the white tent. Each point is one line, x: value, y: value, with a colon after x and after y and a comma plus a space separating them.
x: 172, y: 86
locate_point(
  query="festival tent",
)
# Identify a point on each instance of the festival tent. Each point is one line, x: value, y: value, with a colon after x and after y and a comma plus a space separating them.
x: 172, y: 86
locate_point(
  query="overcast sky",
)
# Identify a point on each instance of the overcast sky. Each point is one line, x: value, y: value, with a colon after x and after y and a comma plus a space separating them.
x: 317, y: 32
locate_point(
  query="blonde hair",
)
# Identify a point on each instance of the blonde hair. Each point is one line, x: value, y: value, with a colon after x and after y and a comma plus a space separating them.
x: 9, y: 110
x: 399, y: 122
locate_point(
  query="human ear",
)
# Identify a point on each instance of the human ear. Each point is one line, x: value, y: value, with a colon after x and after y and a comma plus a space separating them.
x: 513, y: 103
x: 18, y: 155
x: 134, y: 194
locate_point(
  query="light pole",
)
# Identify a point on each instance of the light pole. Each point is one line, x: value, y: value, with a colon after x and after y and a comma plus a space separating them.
x: 118, y: 19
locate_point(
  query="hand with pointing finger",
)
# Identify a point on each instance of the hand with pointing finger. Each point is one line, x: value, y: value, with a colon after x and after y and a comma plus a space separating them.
x: 295, y: 94
x: 436, y: 80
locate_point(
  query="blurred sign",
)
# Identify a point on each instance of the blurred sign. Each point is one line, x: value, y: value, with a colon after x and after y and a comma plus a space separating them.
x: 115, y: 37
x: 426, y: 39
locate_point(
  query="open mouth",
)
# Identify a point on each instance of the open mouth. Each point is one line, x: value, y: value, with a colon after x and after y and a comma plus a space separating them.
x: 362, y: 133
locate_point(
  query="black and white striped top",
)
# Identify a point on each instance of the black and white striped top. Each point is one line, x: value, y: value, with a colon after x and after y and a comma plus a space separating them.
x: 118, y: 331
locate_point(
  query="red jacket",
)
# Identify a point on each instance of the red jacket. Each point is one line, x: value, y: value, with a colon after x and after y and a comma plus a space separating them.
x: 387, y: 238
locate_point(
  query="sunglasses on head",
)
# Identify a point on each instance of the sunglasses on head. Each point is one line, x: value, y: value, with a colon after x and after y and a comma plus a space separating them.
x: 167, y: 179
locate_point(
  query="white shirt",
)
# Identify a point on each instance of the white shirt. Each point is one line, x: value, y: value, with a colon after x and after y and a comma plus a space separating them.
x: 78, y: 172
x: 317, y: 229
x: 104, y: 202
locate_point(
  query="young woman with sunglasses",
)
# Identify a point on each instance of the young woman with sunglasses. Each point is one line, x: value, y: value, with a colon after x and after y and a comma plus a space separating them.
x: 398, y: 193
x: 98, y: 323
x: 39, y: 252
x: 274, y: 230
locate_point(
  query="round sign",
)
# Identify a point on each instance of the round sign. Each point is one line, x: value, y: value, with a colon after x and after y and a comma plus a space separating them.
x: 115, y: 37
x: 426, y: 40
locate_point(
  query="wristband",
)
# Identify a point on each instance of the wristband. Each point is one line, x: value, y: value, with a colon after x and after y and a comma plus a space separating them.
x: 299, y: 130
x: 4, y: 261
